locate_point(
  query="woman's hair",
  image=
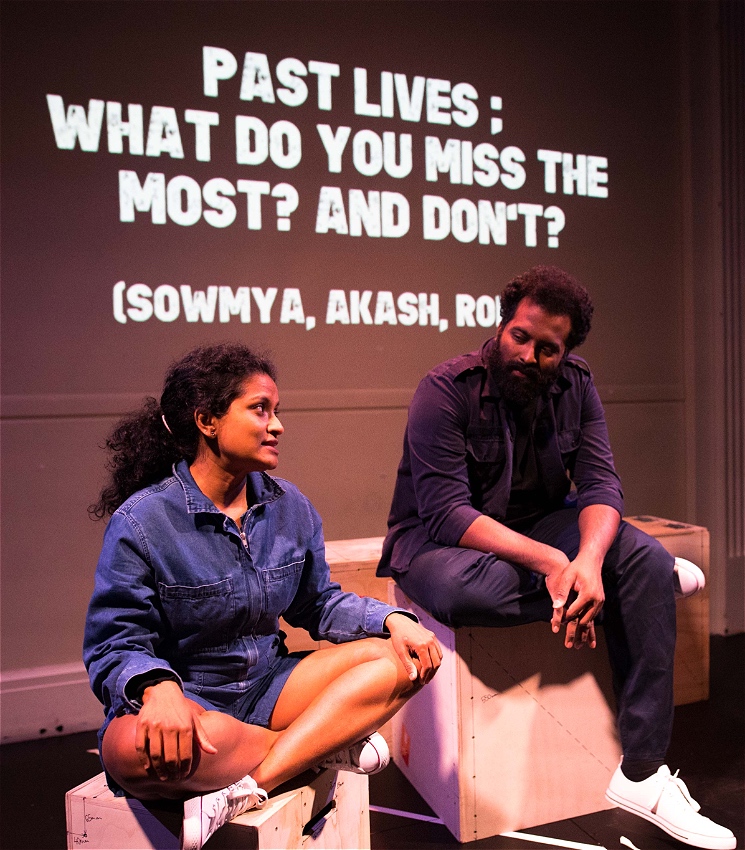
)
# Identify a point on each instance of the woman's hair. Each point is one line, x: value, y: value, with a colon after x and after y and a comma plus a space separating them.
x: 145, y: 444
x: 558, y: 293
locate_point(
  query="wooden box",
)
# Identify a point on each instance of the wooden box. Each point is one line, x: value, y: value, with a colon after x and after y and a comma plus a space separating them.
x: 330, y: 812
x: 512, y: 732
x: 353, y: 564
x: 692, y: 648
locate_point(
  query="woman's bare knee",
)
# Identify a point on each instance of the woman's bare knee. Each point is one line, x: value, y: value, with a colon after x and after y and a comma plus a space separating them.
x: 119, y: 755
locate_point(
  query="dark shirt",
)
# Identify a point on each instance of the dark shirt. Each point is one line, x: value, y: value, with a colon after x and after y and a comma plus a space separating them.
x: 458, y: 454
x: 528, y: 498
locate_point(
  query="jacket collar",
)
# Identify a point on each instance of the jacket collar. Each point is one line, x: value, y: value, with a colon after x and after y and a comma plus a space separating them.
x: 265, y: 490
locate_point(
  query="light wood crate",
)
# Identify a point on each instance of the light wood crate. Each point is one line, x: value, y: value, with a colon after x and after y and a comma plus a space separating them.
x: 513, y: 731
x: 692, y: 647
x: 330, y: 812
x: 353, y: 564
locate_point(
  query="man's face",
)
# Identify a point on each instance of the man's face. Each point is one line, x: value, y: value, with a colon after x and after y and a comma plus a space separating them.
x: 528, y: 352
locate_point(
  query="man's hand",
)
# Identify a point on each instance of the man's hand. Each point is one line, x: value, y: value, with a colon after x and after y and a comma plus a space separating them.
x: 583, y: 577
x: 168, y: 726
x: 417, y: 647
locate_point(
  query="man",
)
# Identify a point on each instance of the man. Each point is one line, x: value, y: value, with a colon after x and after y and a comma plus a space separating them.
x: 486, y: 529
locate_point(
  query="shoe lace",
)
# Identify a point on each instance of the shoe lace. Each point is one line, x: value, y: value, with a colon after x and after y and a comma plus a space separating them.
x: 349, y: 757
x: 343, y: 757
x: 233, y: 801
x: 675, y: 780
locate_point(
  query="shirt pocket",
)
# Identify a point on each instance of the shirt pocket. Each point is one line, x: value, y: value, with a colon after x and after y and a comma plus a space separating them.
x: 200, y: 617
x: 484, y: 448
x: 280, y: 586
x: 569, y: 441
x: 486, y: 455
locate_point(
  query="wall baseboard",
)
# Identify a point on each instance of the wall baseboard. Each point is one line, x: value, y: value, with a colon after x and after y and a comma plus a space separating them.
x: 43, y: 702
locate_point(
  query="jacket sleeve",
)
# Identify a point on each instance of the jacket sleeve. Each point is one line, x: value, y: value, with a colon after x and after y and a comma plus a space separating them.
x: 124, y: 622
x: 436, y: 442
x: 323, y: 608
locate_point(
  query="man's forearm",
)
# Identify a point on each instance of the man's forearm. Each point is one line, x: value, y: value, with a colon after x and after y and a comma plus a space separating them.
x: 487, y: 535
x: 598, y: 526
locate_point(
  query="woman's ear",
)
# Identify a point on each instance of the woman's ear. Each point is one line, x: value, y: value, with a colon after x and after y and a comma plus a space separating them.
x: 205, y: 422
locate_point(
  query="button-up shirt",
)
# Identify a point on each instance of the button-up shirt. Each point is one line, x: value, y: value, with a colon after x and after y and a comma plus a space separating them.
x: 459, y: 446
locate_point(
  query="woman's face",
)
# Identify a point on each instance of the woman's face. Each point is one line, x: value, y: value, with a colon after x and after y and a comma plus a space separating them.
x: 246, y: 436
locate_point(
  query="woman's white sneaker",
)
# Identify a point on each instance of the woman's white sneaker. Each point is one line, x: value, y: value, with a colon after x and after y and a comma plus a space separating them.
x: 370, y: 755
x: 206, y: 813
x: 664, y: 800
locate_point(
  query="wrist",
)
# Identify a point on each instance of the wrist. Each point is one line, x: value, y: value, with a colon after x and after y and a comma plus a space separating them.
x: 548, y: 560
x: 162, y: 685
x: 407, y: 615
x: 135, y: 688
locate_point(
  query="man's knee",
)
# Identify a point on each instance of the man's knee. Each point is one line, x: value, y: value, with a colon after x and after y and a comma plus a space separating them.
x: 643, y: 561
x: 650, y: 552
x: 438, y: 582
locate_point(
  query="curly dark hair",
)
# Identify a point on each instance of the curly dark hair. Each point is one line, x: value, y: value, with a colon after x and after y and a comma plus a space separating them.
x: 143, y: 448
x: 558, y: 293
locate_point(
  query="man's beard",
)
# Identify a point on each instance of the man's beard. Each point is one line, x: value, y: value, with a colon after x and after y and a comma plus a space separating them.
x: 521, y: 389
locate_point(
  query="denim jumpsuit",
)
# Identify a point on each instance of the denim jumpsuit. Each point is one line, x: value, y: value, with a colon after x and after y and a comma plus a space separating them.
x: 182, y: 592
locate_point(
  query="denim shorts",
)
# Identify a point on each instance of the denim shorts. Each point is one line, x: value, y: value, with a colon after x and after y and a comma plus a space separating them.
x: 255, y: 706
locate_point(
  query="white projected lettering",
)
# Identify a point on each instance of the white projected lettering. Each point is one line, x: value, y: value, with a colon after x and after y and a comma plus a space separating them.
x: 487, y: 191
x: 374, y: 213
x: 138, y: 302
x: 219, y: 64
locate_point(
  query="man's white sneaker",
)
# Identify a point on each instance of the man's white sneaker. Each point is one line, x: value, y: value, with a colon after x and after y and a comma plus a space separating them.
x: 664, y: 800
x: 687, y: 578
x: 370, y: 755
x: 205, y: 814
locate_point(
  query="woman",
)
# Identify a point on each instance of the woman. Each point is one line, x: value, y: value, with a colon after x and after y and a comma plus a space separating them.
x: 202, y: 553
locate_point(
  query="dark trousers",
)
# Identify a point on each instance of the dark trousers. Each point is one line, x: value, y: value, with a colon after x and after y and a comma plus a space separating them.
x: 463, y: 587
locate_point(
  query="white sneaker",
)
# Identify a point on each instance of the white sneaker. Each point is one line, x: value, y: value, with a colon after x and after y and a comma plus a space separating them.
x: 205, y: 814
x: 370, y: 755
x: 664, y: 800
x: 688, y: 578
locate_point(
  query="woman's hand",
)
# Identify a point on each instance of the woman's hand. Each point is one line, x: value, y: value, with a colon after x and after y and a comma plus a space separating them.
x: 168, y: 727
x: 412, y: 641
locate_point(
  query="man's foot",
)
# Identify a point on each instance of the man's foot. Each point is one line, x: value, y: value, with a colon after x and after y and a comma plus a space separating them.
x: 370, y: 755
x: 205, y: 814
x: 688, y: 578
x: 664, y: 800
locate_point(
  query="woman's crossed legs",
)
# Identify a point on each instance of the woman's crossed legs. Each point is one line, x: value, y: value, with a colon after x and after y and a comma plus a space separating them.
x: 333, y: 698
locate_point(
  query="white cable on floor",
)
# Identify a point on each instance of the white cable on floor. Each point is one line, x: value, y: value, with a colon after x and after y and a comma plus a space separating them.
x: 401, y: 814
x: 553, y: 842
x: 524, y: 836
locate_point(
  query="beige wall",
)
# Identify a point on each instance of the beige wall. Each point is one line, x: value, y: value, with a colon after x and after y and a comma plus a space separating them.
x: 608, y: 78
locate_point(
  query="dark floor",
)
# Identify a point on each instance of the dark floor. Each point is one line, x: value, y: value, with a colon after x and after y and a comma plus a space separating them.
x: 708, y: 747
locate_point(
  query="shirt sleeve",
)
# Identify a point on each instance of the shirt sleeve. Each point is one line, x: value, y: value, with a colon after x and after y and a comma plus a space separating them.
x: 436, y: 442
x: 594, y: 474
x: 324, y: 609
x: 124, y: 621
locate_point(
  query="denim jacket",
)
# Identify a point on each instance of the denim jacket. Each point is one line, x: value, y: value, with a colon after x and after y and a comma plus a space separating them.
x: 458, y: 447
x: 181, y: 592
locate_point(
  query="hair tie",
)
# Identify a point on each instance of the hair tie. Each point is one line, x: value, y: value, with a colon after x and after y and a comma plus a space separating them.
x: 163, y: 417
